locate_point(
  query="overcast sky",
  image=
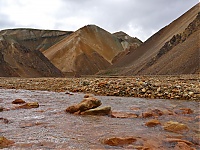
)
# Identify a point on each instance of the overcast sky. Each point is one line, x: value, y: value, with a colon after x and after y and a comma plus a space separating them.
x: 138, y: 18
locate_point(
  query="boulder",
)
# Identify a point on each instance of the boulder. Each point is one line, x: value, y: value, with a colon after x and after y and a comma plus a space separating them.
x: 85, y: 104
x: 119, y: 141
x: 175, y: 127
x: 98, y: 111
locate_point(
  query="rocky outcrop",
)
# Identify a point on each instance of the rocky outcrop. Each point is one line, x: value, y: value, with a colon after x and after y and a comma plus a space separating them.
x: 177, y: 39
x: 128, y: 43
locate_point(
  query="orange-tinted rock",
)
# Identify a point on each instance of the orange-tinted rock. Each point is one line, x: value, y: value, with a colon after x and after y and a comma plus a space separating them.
x: 87, y: 95
x: 157, y: 112
x: 4, y: 142
x: 152, y: 113
x: 175, y: 127
x: 123, y: 115
x: 119, y: 141
x: 137, y: 147
x: 171, y: 140
x: 135, y: 108
x: 98, y: 111
x: 29, y: 105
x: 85, y: 104
x: 183, y: 146
x: 147, y: 114
x: 18, y: 101
x: 152, y: 123
x: 186, y: 111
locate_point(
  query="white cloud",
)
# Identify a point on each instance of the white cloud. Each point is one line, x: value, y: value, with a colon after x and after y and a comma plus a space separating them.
x: 139, y: 18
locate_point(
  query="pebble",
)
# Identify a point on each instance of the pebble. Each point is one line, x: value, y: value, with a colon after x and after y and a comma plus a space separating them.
x: 151, y: 87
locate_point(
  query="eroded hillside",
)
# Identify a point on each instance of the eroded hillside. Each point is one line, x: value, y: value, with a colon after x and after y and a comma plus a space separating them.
x: 17, y: 60
x: 172, y: 50
x: 86, y: 51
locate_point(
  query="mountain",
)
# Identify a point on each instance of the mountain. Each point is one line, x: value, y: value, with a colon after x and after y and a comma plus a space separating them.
x: 86, y: 51
x: 128, y: 43
x: 172, y: 50
x: 17, y: 60
x: 34, y: 39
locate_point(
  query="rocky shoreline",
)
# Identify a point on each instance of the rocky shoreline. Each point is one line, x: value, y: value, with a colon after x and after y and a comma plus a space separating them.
x: 184, y: 87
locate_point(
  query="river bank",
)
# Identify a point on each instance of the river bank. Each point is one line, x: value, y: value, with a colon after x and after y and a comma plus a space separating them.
x: 185, y: 87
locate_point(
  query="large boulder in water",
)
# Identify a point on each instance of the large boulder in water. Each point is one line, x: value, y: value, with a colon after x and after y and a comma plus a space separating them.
x: 85, y: 104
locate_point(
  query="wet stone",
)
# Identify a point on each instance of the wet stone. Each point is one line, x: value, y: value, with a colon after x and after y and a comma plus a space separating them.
x: 183, y: 146
x: 4, y: 142
x: 175, y: 127
x: 85, y: 104
x: 119, y: 141
x: 152, y: 123
x: 18, y: 101
x: 98, y: 111
x: 123, y: 115
x: 29, y: 105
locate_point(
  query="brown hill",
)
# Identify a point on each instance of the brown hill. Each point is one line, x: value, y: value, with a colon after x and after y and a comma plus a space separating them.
x: 17, y: 60
x: 35, y: 39
x: 172, y: 50
x: 86, y: 51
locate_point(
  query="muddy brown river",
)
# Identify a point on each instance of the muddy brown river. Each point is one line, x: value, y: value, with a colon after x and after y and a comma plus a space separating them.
x: 50, y: 127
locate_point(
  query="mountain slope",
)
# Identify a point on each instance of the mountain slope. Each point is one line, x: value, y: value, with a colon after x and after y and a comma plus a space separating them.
x: 35, y: 39
x: 176, y: 60
x: 6, y: 70
x: 86, y: 51
x: 17, y: 60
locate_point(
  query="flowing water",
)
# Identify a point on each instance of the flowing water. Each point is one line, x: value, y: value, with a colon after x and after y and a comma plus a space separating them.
x: 49, y: 127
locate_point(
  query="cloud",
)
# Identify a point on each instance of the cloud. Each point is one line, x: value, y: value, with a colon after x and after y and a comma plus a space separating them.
x: 138, y: 18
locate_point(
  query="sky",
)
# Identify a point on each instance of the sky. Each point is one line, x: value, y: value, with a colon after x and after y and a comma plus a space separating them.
x: 138, y: 18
